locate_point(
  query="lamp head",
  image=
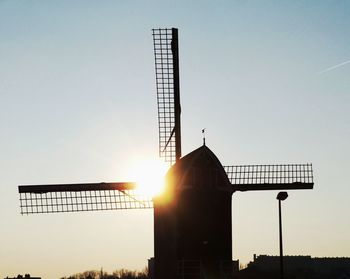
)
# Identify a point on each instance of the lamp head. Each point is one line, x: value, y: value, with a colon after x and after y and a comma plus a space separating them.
x: 282, y: 196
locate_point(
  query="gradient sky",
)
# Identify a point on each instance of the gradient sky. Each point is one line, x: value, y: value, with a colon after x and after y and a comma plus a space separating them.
x: 269, y: 80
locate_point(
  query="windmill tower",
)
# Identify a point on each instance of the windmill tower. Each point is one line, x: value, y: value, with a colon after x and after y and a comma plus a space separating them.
x: 192, y: 218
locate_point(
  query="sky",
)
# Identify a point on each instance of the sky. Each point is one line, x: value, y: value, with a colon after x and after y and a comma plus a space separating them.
x: 269, y: 80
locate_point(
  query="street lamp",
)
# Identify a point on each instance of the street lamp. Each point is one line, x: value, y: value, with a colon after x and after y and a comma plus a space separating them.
x: 281, y: 196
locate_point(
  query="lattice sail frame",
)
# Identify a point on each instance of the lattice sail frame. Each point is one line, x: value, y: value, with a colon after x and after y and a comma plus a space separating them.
x: 114, y: 196
x: 270, y: 177
x: 81, y: 197
x: 124, y: 195
x: 165, y: 42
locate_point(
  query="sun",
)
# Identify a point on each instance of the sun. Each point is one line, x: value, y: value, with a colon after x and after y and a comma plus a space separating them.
x: 150, y: 176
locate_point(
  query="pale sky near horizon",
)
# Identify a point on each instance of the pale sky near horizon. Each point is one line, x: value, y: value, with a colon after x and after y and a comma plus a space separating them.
x: 269, y: 80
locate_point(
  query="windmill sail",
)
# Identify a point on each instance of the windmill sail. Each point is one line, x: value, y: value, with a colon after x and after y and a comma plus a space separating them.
x: 54, y: 198
x: 81, y: 197
x: 270, y: 177
x: 165, y: 42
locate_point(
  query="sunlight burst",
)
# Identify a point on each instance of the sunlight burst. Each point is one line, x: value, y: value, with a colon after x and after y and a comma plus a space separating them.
x: 149, y: 176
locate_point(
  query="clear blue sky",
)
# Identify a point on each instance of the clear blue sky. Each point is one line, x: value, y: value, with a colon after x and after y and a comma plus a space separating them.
x: 269, y: 80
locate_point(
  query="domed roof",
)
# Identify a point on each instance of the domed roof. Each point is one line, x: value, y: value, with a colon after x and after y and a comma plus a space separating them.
x: 200, y: 170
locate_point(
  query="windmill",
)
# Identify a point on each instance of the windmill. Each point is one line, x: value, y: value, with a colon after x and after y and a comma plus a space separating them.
x: 192, y: 218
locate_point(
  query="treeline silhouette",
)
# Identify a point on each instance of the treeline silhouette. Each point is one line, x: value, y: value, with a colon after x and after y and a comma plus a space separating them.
x: 118, y: 274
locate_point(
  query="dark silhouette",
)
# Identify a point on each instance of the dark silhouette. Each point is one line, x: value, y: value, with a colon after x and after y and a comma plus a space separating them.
x: 192, y: 220
x: 26, y: 276
x: 281, y: 196
x: 303, y: 267
x: 118, y: 274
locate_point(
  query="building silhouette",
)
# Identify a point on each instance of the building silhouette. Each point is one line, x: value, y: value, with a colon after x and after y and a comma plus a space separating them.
x: 26, y: 276
x: 297, y: 267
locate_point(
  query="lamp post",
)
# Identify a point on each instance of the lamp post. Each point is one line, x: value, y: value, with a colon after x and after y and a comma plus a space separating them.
x: 281, y: 196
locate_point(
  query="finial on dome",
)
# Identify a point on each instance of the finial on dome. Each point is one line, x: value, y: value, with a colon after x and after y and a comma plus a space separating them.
x: 203, y: 132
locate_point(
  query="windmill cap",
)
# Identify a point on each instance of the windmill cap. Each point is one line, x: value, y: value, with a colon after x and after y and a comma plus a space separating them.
x: 199, y: 170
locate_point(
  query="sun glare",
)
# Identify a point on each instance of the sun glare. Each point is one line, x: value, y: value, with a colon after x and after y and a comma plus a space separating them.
x: 149, y: 176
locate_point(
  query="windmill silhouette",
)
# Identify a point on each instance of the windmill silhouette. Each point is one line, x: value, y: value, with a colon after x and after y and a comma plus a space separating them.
x: 192, y: 217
